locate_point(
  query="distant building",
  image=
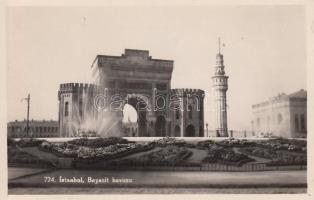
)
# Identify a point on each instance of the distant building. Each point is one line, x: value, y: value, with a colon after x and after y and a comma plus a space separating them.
x: 282, y: 116
x: 44, y: 128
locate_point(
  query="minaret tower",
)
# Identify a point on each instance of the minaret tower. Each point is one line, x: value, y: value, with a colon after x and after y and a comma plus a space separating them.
x: 220, y: 87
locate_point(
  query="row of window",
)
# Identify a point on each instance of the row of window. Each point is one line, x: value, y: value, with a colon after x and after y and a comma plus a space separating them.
x: 278, y: 120
x: 36, y: 129
x: 220, y: 80
x: 14, y: 135
x: 299, y: 122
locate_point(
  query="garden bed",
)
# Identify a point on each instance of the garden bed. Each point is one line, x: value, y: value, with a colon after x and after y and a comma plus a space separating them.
x: 277, y: 157
x: 167, y: 156
x: 92, y: 155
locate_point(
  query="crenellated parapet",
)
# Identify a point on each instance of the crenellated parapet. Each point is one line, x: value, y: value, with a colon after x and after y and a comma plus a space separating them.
x: 76, y: 87
x: 182, y: 92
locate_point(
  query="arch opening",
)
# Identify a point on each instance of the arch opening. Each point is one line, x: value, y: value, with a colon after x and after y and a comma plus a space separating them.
x: 190, y: 131
x: 129, y: 121
x: 137, y: 104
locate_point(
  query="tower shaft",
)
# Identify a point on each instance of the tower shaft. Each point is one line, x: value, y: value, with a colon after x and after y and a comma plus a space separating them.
x: 220, y: 87
x: 221, y: 113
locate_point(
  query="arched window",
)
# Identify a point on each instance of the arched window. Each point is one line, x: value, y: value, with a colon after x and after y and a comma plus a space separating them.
x: 190, y: 112
x: 66, y: 109
x: 190, y: 131
x: 279, y: 118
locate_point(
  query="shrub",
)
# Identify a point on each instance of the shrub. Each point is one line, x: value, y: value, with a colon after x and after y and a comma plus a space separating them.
x: 205, y: 144
x: 168, y: 141
x: 98, y: 142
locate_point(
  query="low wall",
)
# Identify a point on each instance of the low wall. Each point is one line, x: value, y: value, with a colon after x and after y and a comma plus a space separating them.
x: 148, y: 139
x: 203, y: 167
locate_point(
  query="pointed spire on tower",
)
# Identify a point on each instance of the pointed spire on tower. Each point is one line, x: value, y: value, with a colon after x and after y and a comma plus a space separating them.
x: 219, y: 60
x: 218, y: 45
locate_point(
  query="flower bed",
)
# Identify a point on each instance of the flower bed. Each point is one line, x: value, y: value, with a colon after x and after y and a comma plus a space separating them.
x: 259, y: 152
x: 205, y: 144
x: 286, y: 158
x: 98, y: 142
x: 284, y: 144
x: 219, y: 154
x: 168, y: 141
x: 233, y: 142
x: 278, y: 157
x: 167, y: 156
x: 110, y: 152
x: 89, y: 155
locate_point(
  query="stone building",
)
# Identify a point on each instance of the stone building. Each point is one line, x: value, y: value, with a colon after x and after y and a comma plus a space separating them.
x: 188, y: 120
x: 283, y: 116
x: 76, y: 111
x: 43, y: 128
x: 133, y: 78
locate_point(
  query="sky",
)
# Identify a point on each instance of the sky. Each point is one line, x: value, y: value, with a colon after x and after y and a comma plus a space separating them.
x: 265, y: 51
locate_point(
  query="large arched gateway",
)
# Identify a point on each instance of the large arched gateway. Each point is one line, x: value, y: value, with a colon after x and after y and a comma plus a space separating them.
x: 133, y: 78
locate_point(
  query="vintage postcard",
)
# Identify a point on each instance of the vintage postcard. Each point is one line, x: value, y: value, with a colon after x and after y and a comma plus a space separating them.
x: 140, y: 99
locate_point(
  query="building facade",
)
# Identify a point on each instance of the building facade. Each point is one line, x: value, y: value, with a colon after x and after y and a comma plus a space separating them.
x: 133, y: 78
x: 282, y: 116
x: 38, y: 129
x: 188, y: 119
x: 220, y: 87
x: 76, y: 111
